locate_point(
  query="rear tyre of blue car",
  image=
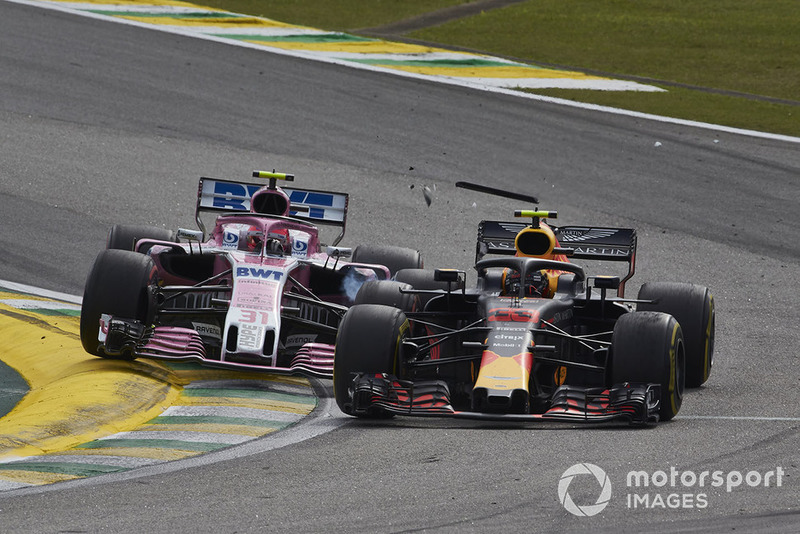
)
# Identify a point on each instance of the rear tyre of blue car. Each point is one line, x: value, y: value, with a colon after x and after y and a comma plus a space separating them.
x: 693, y: 307
x: 124, y: 237
x: 117, y: 285
x: 369, y: 341
x: 647, y: 347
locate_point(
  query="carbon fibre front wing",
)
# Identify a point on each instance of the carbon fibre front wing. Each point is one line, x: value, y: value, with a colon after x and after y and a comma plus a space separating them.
x: 634, y: 403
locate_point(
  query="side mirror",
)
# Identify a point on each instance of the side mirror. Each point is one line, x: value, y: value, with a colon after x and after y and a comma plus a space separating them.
x: 339, y: 252
x: 606, y: 282
x: 190, y: 235
x: 446, y: 275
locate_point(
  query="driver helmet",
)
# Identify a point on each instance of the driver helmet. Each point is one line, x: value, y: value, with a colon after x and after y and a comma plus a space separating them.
x: 278, y: 242
x: 253, y: 240
x: 537, y: 283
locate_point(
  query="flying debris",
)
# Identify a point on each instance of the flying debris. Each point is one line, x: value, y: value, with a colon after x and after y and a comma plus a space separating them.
x: 428, y: 194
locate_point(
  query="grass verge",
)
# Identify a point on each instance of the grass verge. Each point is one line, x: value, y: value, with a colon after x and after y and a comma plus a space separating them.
x: 333, y: 14
x: 750, y: 47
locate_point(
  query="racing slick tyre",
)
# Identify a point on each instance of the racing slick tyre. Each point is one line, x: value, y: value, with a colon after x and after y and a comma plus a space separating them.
x: 693, y: 307
x: 393, y: 258
x: 124, y: 237
x: 423, y: 279
x: 647, y: 347
x: 117, y: 285
x: 387, y: 293
x: 368, y: 342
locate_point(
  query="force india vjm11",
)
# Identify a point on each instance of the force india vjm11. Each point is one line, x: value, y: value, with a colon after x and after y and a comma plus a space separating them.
x: 259, y: 292
x: 536, y: 339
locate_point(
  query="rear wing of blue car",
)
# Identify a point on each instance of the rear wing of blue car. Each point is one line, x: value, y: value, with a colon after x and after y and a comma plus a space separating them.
x: 579, y: 242
x: 316, y: 207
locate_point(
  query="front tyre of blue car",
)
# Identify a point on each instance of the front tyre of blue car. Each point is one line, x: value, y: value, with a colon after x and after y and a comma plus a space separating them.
x: 648, y: 347
x: 369, y: 341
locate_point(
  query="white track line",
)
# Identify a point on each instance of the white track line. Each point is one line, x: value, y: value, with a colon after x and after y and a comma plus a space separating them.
x: 31, y: 290
x: 741, y: 418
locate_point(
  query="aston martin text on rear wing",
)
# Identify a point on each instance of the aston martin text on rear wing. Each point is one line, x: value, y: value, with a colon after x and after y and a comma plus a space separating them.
x: 576, y: 242
x: 318, y: 207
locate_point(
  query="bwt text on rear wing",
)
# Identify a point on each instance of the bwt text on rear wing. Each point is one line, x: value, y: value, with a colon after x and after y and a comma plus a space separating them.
x: 580, y: 242
x: 319, y: 207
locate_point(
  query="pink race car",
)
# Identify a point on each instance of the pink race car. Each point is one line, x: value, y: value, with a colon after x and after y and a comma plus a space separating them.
x: 260, y: 292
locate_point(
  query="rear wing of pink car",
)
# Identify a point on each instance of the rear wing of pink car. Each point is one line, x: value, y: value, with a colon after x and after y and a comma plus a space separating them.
x: 316, y: 207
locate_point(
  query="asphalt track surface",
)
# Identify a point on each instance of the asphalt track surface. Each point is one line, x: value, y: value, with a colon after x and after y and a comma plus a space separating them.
x: 104, y: 123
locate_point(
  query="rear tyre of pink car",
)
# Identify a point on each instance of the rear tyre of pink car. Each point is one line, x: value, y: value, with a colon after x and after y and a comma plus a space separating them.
x: 124, y: 237
x: 393, y: 258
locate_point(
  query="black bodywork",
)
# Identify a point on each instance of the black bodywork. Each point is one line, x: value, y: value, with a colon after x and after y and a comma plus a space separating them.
x: 564, y: 339
x: 536, y: 338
